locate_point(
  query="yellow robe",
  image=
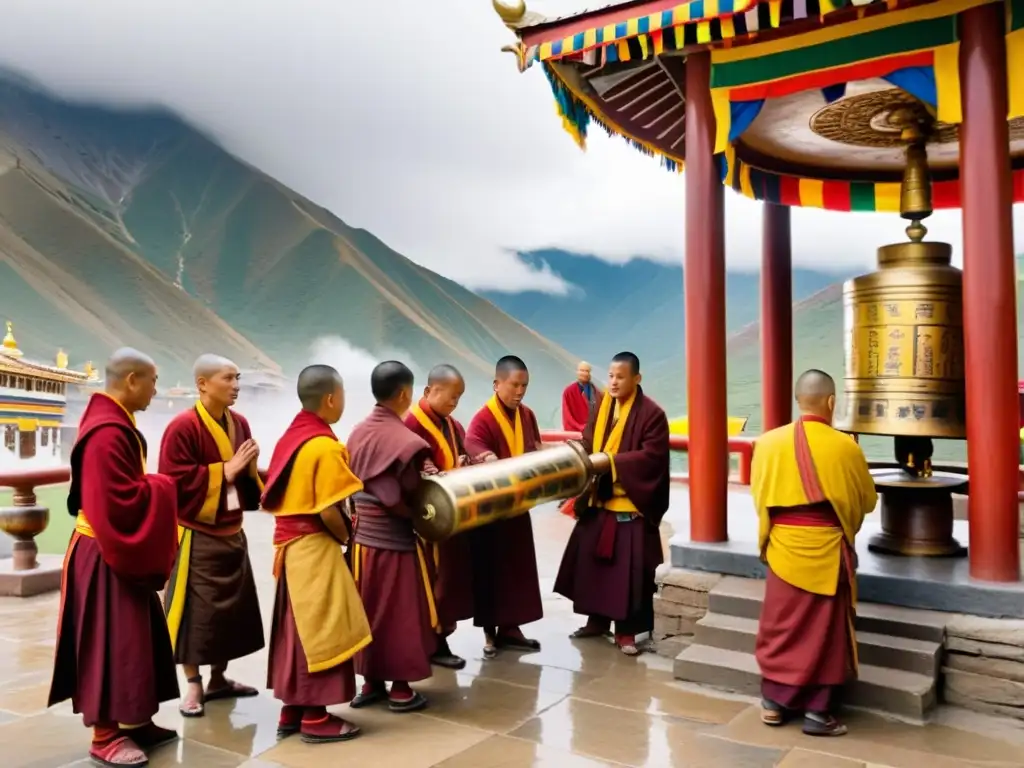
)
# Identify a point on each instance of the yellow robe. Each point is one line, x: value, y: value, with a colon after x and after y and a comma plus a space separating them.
x: 328, y: 613
x: 808, y: 557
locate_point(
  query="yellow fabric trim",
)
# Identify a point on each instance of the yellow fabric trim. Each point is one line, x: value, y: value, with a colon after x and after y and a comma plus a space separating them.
x: 946, y: 65
x: 1014, y: 74
x: 320, y: 479
x: 83, y: 527
x: 428, y: 424
x: 225, y: 440
x: 127, y: 727
x: 357, y: 562
x: 434, y: 624
x: 806, y: 557
x: 177, y: 607
x: 723, y: 117
x: 513, y: 437
x: 812, y: 193
x: 214, y: 485
x: 887, y: 197
x: 619, y: 502
x: 329, y: 615
x: 840, y: 31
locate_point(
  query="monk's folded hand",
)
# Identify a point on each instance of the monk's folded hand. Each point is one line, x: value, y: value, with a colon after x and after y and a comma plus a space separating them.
x: 246, y: 453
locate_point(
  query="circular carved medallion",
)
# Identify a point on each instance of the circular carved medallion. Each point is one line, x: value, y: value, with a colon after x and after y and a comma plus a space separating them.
x: 883, y: 118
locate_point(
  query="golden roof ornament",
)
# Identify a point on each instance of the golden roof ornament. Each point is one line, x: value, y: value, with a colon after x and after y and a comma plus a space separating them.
x: 510, y: 14
x: 10, y: 346
x: 62, y: 360
x: 90, y: 371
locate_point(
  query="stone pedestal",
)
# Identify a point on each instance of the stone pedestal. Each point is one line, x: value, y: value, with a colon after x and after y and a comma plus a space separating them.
x: 682, y: 600
x: 45, y: 577
x: 984, y: 665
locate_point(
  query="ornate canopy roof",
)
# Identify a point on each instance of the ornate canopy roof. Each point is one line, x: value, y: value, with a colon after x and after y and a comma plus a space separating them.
x: 13, y: 361
x: 810, y: 96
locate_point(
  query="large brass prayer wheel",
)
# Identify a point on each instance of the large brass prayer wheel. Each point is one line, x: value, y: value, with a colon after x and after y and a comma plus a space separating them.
x: 904, y: 345
x: 468, y: 498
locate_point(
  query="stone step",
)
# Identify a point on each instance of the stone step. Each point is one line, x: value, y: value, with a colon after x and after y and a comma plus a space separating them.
x: 735, y: 633
x: 735, y: 596
x: 906, y: 694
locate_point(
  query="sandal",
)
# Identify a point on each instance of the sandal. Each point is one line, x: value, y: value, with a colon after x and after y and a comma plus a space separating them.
x: 328, y: 730
x: 232, y: 690
x: 150, y: 736
x: 121, y: 751
x: 289, y: 721
x: 490, y: 646
x: 200, y: 705
x: 588, y: 631
x: 772, y: 714
x: 414, y: 703
x: 367, y: 697
x: 823, y: 725
x: 517, y: 643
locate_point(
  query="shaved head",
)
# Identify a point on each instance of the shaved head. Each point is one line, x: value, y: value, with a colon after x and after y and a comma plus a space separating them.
x: 131, y: 379
x: 508, y: 365
x: 443, y: 374
x: 209, y: 365
x: 816, y: 394
x: 315, y: 383
x: 127, y: 361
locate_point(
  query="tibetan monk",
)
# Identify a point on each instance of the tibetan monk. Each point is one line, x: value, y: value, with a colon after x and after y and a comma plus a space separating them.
x: 609, y: 563
x: 113, y: 657
x: 432, y: 420
x: 506, y: 588
x: 319, y: 623
x: 812, y: 488
x: 212, y: 609
x: 389, y: 560
x: 579, y: 400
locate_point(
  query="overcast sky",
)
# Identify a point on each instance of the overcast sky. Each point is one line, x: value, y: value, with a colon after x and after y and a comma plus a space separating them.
x: 406, y: 119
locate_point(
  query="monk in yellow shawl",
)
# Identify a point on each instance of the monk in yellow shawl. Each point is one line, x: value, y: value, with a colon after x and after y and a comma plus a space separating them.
x: 812, y: 488
x: 319, y: 623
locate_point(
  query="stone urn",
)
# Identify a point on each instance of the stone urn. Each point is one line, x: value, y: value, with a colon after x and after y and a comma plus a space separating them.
x: 23, y: 524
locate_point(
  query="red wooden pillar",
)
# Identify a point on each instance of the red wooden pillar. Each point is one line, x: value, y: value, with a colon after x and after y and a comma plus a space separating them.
x: 990, y: 301
x: 776, y: 318
x: 704, y: 277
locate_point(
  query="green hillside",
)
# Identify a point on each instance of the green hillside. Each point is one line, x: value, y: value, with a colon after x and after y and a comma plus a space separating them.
x: 132, y: 228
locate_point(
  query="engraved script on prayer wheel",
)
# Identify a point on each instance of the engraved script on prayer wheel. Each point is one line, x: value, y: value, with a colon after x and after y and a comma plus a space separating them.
x: 468, y: 498
x: 904, y: 331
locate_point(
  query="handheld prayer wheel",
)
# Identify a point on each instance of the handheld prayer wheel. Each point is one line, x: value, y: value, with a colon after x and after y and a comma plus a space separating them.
x: 468, y: 498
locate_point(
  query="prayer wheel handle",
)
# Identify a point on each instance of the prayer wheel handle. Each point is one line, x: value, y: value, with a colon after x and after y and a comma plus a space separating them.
x: 597, y: 463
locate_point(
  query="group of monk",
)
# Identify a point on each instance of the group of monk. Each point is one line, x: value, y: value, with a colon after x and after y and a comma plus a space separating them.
x: 358, y: 592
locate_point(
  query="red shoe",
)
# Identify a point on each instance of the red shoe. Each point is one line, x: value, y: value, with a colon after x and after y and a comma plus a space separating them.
x: 627, y: 644
x: 289, y: 722
x: 327, y: 730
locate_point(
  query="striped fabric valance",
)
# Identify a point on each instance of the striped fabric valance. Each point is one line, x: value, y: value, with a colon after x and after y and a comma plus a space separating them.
x: 693, y: 23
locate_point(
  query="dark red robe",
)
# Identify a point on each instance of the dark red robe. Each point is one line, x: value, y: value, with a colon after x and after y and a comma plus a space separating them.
x: 506, y: 587
x: 220, y: 619
x: 389, y: 560
x: 113, y: 657
x: 577, y: 407
x: 609, y: 564
x: 453, y: 571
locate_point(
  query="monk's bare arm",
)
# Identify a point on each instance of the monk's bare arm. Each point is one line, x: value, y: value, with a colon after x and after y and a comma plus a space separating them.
x: 335, y: 522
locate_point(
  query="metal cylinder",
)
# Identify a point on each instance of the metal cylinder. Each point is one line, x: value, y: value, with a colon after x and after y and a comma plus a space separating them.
x: 468, y: 498
x: 904, y: 345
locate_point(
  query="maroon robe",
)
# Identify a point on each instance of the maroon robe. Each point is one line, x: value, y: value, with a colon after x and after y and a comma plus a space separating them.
x: 577, y: 407
x: 288, y: 672
x: 220, y: 620
x: 610, y: 560
x: 389, y: 561
x: 113, y: 657
x: 506, y: 587
x: 453, y: 570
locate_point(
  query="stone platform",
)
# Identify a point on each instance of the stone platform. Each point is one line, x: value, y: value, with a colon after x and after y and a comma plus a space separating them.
x: 938, y: 584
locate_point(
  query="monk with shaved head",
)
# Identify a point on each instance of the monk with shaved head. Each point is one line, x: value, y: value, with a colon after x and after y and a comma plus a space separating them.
x: 212, y: 609
x: 319, y: 623
x: 579, y: 399
x: 431, y: 418
x: 113, y: 656
x: 812, y: 489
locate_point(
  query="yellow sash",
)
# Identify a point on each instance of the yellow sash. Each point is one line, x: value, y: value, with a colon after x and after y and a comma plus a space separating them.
x: 83, y: 527
x: 225, y: 442
x: 514, y: 439
x: 610, y: 446
x: 428, y: 424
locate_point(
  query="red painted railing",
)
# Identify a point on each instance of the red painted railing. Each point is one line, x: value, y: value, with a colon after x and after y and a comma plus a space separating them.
x: 741, y: 446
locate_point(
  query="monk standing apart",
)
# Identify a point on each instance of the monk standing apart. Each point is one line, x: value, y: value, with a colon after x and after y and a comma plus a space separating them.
x: 610, y: 559
x: 579, y: 400
x: 319, y: 622
x: 432, y: 420
x: 812, y: 489
x: 113, y: 657
x: 389, y: 561
x: 505, y: 582
x: 212, y: 609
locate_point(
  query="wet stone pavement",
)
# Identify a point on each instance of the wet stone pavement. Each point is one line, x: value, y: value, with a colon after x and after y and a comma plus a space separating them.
x: 575, y: 704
